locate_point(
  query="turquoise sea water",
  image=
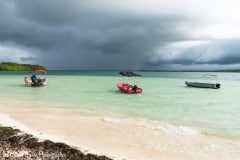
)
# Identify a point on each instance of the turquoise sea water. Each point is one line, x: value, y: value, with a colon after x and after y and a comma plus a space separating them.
x: 165, y: 97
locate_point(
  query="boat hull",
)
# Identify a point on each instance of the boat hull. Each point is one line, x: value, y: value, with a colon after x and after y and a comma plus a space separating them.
x: 203, y: 85
x: 38, y: 83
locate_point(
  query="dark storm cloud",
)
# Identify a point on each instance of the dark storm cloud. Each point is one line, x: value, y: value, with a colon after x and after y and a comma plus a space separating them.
x: 97, y: 34
x: 218, y: 52
x: 26, y: 59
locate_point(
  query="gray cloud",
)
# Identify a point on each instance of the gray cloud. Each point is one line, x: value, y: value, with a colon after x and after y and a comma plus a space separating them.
x: 26, y: 59
x: 218, y: 52
x: 104, y: 35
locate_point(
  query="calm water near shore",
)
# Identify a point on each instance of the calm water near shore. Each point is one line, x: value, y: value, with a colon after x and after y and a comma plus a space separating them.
x: 165, y: 97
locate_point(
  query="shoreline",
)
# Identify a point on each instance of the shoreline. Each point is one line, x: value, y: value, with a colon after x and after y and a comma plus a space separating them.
x: 14, y: 135
x: 15, y: 144
x: 116, y: 137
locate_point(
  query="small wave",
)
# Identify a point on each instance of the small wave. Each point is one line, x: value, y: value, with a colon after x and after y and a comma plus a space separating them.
x: 180, y: 130
x: 155, y: 125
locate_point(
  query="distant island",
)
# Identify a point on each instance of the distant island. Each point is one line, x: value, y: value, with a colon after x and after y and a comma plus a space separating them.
x: 10, y: 66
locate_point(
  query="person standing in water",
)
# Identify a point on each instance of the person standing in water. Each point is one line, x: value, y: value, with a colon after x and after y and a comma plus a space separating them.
x: 27, y: 81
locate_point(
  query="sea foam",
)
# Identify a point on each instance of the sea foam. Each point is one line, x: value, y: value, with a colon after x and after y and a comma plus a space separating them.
x: 155, y: 125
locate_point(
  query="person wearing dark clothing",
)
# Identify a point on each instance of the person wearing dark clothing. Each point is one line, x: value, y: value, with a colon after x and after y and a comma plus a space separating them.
x: 34, y: 79
x: 135, y: 88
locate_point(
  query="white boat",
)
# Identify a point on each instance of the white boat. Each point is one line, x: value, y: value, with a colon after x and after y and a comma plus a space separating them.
x: 203, y: 85
x: 34, y: 81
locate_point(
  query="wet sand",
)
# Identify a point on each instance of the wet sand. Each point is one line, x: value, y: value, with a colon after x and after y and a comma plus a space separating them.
x: 115, y: 136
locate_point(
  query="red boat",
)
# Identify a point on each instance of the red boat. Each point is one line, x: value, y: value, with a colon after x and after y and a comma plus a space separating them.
x: 128, y: 88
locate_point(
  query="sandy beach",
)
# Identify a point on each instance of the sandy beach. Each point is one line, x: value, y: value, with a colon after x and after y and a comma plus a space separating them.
x: 17, y: 145
x: 115, y: 136
x: 110, y: 79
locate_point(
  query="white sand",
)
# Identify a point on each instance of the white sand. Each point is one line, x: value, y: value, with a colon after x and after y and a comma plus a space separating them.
x: 115, y: 136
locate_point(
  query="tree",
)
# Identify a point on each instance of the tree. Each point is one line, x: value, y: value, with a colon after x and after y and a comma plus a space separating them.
x: 10, y: 66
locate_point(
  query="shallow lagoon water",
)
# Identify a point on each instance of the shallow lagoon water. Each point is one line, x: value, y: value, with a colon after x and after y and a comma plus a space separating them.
x: 165, y: 97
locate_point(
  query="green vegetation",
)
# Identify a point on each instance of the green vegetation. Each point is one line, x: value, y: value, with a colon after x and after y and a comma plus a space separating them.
x: 9, y: 66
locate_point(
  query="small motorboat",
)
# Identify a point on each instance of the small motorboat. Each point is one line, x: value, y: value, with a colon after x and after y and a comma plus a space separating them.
x: 34, y: 81
x: 129, y: 74
x: 203, y: 85
x: 128, y: 88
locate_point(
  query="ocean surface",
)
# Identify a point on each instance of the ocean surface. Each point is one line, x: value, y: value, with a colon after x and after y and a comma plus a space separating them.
x: 165, y: 97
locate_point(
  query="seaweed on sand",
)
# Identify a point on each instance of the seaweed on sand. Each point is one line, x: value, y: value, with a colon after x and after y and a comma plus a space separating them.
x: 17, y: 145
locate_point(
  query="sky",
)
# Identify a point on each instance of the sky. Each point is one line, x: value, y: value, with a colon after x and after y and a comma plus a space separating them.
x: 121, y: 35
